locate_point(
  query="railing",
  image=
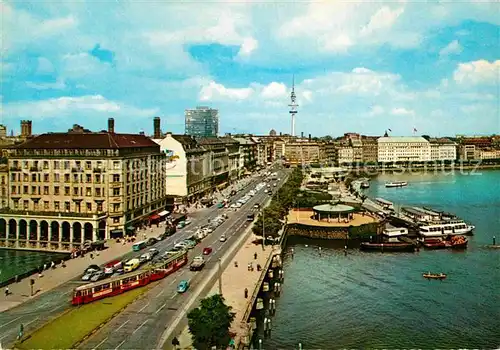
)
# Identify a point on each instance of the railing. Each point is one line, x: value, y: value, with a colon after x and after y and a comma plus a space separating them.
x: 28, y: 213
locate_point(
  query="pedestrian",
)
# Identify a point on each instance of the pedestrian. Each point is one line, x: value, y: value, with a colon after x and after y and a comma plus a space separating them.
x: 91, y: 256
x: 255, y: 256
x: 45, y: 266
x: 246, y: 293
x: 7, y: 291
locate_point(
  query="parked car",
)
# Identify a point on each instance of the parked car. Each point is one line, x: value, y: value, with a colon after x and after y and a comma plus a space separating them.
x: 92, y: 268
x: 112, y: 266
x: 207, y: 251
x: 99, y: 275
x: 183, y: 286
x: 145, y: 258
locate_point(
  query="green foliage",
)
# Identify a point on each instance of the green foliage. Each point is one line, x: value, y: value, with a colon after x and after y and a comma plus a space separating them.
x: 363, y: 231
x: 209, y: 324
x: 281, y: 203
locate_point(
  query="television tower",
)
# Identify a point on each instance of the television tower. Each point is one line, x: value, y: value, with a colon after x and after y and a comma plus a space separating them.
x: 293, y: 106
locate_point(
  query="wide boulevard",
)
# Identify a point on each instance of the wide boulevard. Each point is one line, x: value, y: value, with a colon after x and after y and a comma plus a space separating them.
x: 143, y: 322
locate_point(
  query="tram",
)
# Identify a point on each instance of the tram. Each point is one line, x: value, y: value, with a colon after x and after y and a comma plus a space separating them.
x: 121, y: 284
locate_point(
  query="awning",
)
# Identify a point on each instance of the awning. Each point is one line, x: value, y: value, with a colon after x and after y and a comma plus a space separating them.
x: 130, y: 228
x: 163, y: 213
x: 154, y: 217
x: 116, y: 231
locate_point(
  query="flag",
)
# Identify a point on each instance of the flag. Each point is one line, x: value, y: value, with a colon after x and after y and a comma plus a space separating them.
x: 414, y: 130
x: 389, y: 130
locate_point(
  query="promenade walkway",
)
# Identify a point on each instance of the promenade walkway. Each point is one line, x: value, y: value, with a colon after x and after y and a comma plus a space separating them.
x: 234, y: 281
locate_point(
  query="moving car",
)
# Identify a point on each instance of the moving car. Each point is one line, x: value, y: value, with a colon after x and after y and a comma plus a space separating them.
x: 99, y: 275
x: 112, y: 266
x: 131, y: 265
x: 153, y: 252
x: 151, y: 241
x: 197, y: 264
x: 207, y: 251
x: 183, y: 286
x: 223, y: 238
x: 145, y: 257
x: 250, y: 217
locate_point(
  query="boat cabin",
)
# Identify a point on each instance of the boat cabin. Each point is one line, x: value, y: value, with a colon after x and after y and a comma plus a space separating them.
x: 393, y: 234
x: 420, y: 214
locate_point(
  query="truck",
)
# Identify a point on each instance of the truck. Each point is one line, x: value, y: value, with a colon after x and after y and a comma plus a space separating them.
x: 197, y: 264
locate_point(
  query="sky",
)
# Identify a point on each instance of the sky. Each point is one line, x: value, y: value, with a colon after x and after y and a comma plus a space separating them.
x: 359, y: 66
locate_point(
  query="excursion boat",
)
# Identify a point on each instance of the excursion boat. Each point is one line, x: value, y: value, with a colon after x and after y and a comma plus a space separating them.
x: 365, y: 184
x: 387, y: 247
x: 434, y: 276
x: 446, y: 228
x: 396, y: 184
x: 121, y: 284
x: 455, y: 242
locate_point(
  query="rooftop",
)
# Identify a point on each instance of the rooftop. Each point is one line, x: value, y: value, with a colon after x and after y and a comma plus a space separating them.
x: 400, y: 139
x: 333, y: 208
x: 87, y: 140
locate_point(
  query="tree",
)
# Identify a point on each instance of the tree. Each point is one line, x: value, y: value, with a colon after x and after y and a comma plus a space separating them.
x: 209, y: 324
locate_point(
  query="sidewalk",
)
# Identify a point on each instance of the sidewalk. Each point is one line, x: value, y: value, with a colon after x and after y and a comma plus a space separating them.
x: 20, y: 292
x: 234, y: 281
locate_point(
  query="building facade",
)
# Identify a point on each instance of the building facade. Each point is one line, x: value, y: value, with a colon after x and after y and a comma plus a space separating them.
x: 403, y: 149
x: 443, y: 149
x: 302, y: 152
x: 68, y: 188
x: 370, y: 149
x: 202, y: 122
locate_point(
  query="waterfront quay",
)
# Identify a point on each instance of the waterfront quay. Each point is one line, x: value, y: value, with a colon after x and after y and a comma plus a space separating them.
x: 241, y: 286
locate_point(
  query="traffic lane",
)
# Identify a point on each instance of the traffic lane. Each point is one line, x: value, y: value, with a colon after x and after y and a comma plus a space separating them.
x: 162, y: 299
x: 52, y: 303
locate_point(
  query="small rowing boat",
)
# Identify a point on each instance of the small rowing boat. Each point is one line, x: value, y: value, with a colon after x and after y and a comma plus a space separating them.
x: 434, y: 276
x: 396, y: 184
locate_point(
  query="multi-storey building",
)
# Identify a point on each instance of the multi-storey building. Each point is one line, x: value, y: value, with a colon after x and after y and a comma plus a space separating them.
x: 219, y: 161
x: 345, y: 154
x: 443, y: 149
x: 67, y: 188
x: 330, y: 153
x: 485, y: 154
x: 370, y: 149
x: 202, y: 122
x: 4, y: 185
x: 302, y: 152
x: 248, y: 153
x: 233, y: 148
x: 403, y: 149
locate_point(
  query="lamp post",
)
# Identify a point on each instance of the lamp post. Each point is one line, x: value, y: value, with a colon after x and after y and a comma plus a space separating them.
x: 220, y: 276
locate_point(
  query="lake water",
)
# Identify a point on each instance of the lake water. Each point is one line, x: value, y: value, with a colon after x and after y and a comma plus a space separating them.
x: 375, y: 300
x: 16, y: 262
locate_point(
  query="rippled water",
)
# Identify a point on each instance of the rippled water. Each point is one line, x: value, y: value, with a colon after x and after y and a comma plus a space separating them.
x: 373, y: 300
x: 16, y: 262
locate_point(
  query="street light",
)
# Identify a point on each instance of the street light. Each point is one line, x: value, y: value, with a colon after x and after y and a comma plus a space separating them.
x: 220, y: 277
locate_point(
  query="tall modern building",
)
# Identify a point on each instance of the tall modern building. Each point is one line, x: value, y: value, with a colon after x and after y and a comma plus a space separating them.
x: 202, y: 122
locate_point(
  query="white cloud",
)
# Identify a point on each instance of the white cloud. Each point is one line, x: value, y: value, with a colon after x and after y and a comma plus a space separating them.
x: 376, y: 110
x: 478, y: 72
x: 452, y: 48
x: 214, y: 92
x: 63, y: 107
x: 57, y: 85
x: 384, y: 18
x: 400, y: 111
x: 82, y: 65
x: 55, y: 26
x: 274, y: 90
x: 248, y: 46
x: 44, y: 66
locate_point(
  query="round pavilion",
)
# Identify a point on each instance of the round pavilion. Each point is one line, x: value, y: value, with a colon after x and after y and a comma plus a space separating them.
x: 333, y: 211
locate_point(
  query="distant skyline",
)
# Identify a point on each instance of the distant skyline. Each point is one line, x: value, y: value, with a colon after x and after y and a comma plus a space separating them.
x: 359, y: 67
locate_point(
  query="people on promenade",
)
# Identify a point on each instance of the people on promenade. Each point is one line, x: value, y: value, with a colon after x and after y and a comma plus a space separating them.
x: 7, y: 291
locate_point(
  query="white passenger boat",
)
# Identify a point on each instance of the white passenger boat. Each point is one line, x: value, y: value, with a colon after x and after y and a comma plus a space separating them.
x: 452, y: 227
x: 396, y: 184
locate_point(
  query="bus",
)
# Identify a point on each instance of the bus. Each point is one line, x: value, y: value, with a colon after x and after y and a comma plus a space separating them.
x: 123, y: 283
x: 139, y: 246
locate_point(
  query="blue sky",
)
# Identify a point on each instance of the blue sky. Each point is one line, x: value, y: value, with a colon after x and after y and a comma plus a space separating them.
x: 359, y: 67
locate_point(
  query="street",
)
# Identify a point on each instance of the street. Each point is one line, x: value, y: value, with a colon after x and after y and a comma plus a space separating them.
x: 141, y: 324
x: 37, y: 311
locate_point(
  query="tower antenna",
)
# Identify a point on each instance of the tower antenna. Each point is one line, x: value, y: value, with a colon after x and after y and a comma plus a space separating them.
x: 293, y: 105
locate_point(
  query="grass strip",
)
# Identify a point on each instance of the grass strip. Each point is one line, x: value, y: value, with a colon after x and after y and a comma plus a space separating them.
x: 66, y: 330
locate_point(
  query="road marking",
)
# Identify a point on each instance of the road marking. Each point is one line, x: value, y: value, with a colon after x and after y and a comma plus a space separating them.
x: 120, y: 344
x: 173, y: 295
x: 145, y: 306
x: 69, y: 291
x: 161, y: 308
x: 123, y: 324
x: 30, y: 322
x: 41, y: 306
x: 100, y: 343
x: 143, y: 323
x: 157, y: 295
x: 14, y: 320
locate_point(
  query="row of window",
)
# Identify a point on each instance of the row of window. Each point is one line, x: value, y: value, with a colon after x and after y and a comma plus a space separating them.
x: 57, y: 191
x: 67, y: 206
x: 84, y: 165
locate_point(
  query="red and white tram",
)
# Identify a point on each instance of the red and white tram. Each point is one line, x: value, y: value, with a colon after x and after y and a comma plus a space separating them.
x: 117, y: 285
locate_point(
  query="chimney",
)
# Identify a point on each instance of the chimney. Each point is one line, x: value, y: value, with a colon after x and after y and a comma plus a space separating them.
x: 111, y: 125
x: 30, y: 132
x: 281, y: 133
x: 302, y: 135
x: 157, y: 128
x: 309, y: 137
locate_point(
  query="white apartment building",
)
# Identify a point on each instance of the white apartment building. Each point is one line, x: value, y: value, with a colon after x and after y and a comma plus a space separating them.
x: 443, y: 149
x: 403, y: 149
